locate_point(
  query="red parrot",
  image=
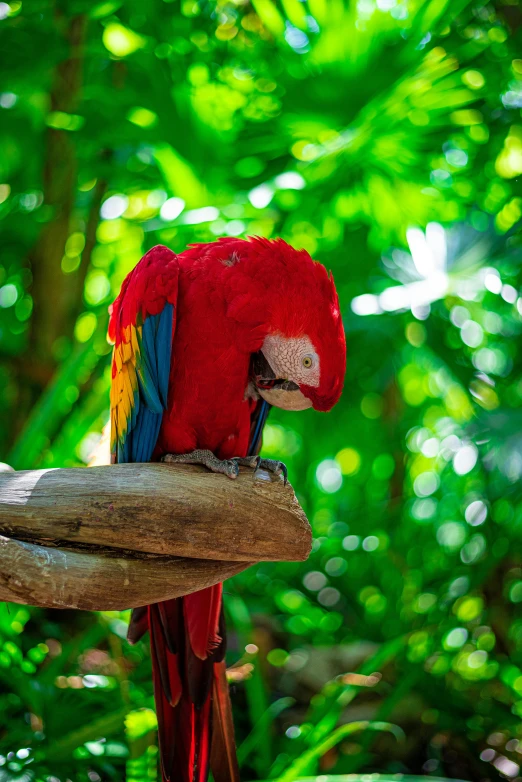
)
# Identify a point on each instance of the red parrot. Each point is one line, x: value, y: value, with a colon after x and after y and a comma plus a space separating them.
x: 205, y: 342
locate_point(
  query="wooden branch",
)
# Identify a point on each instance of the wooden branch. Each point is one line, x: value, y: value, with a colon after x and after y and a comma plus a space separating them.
x: 113, y: 537
x: 175, y: 510
x: 59, y: 578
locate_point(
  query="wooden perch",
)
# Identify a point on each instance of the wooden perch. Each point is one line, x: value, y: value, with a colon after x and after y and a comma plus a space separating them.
x: 120, y: 536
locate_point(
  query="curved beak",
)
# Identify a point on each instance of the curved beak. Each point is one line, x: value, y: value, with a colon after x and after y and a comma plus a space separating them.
x: 279, y: 392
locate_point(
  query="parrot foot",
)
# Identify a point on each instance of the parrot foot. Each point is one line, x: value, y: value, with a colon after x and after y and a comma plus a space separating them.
x: 228, y: 467
x: 274, y: 466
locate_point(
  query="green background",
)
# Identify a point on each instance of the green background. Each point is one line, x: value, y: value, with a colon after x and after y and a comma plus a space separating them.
x: 385, y: 137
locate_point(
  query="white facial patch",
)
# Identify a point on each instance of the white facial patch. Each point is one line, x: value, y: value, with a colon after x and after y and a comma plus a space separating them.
x: 292, y: 358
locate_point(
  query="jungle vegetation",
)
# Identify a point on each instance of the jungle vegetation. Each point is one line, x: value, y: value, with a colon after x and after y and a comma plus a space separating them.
x: 385, y: 137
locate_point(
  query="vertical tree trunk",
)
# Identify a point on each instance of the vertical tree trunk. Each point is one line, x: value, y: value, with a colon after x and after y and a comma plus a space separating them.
x: 57, y: 297
x: 52, y: 302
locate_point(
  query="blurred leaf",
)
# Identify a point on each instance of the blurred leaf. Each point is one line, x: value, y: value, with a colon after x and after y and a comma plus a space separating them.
x: 312, y: 755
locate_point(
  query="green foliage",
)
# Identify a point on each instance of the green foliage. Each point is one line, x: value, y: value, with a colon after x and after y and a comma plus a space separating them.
x: 385, y: 137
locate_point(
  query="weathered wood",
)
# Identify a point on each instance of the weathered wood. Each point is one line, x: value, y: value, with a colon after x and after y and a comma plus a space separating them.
x: 121, y: 536
x: 174, y: 510
x: 59, y: 578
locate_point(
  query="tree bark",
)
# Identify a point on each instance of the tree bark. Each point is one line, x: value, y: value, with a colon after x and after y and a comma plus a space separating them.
x: 119, y: 536
x: 62, y: 578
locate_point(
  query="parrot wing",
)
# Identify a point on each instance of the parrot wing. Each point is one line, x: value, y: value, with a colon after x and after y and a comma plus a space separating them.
x: 142, y: 326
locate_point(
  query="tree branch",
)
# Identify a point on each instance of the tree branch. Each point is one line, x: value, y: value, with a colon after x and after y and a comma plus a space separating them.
x: 113, y: 537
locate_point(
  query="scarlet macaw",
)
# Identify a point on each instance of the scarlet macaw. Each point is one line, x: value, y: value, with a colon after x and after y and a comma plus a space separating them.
x: 205, y: 342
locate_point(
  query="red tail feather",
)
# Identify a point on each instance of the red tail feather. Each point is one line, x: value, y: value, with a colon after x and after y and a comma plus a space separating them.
x: 187, y: 650
x: 202, y: 618
x: 223, y: 760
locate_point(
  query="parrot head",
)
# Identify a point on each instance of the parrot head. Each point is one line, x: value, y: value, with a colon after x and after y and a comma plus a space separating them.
x: 302, y: 360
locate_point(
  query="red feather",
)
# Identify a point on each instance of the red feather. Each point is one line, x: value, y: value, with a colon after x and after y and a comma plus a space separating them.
x: 202, y: 611
x: 183, y: 702
x: 223, y: 761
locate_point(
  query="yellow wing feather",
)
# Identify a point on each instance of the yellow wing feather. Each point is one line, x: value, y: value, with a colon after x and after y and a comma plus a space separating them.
x: 124, y: 387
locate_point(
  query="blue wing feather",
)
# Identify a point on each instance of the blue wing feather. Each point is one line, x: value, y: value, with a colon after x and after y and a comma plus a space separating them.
x: 149, y: 352
x: 145, y: 435
x: 147, y: 372
x: 153, y: 381
x: 164, y: 337
x: 259, y: 419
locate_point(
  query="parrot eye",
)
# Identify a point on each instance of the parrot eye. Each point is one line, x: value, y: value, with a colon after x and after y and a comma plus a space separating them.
x: 307, y: 362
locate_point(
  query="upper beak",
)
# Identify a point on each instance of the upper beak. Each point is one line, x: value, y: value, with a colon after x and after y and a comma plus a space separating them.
x: 265, y: 377
x: 279, y: 392
x: 262, y: 372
